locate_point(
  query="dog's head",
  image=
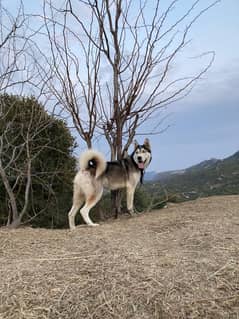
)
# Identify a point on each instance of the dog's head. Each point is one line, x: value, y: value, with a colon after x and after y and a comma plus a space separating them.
x: 142, y: 154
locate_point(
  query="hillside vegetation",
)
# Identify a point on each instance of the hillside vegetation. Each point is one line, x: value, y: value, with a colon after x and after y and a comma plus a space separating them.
x: 177, y: 262
x: 211, y: 177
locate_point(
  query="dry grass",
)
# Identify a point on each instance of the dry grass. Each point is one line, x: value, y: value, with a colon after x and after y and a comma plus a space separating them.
x: 179, y: 262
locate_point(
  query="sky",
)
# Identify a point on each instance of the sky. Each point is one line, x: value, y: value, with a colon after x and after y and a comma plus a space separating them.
x: 205, y: 124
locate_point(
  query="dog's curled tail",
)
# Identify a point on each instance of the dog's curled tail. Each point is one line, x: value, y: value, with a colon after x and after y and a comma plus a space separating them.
x: 93, y: 157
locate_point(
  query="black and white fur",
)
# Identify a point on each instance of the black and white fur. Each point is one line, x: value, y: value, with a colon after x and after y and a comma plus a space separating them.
x: 95, y: 174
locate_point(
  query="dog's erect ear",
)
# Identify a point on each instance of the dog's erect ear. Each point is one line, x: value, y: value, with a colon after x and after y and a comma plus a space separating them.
x: 147, y: 144
x: 136, y: 144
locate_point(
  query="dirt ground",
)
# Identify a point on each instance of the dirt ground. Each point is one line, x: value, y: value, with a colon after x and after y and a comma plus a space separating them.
x: 178, y: 262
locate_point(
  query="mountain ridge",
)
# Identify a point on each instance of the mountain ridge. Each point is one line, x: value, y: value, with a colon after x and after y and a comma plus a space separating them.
x: 209, y: 177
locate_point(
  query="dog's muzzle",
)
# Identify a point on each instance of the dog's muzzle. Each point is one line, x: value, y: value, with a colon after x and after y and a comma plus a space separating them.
x: 140, y: 163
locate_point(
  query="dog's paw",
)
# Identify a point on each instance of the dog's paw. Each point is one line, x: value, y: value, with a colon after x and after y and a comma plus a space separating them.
x: 72, y: 228
x: 94, y: 224
x: 132, y: 213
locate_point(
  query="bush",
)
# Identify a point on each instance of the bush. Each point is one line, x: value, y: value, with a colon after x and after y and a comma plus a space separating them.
x: 26, y: 128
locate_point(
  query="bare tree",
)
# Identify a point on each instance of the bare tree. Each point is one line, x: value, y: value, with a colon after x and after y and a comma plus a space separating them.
x: 127, y: 54
x: 18, y: 151
x: 16, y: 70
x: 22, y: 120
x: 13, y: 72
x: 70, y: 70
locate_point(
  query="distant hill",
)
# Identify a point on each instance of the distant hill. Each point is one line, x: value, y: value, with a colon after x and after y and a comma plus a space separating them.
x: 210, y: 177
x: 150, y: 176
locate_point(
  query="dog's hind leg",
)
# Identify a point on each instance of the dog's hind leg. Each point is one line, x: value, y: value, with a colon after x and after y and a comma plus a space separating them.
x: 78, y: 200
x: 90, y: 202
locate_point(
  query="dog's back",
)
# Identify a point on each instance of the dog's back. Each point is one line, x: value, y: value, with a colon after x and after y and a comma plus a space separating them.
x: 113, y: 175
x: 119, y: 173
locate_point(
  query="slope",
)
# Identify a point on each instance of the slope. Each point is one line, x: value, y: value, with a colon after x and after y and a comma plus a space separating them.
x: 179, y: 262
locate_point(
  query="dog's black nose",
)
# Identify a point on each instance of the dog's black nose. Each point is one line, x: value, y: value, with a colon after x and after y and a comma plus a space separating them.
x: 140, y: 158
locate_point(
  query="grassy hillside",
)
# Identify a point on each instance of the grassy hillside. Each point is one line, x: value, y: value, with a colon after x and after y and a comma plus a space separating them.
x: 212, y: 177
x: 180, y: 262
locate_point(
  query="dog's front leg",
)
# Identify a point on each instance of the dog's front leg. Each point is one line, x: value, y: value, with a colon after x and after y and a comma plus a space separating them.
x: 130, y: 200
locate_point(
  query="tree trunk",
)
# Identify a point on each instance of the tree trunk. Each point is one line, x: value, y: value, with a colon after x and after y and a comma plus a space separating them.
x: 13, y: 213
x: 15, y: 223
x: 116, y: 195
x: 116, y: 198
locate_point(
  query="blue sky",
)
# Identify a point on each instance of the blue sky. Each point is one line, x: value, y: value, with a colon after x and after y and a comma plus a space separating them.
x: 206, y: 123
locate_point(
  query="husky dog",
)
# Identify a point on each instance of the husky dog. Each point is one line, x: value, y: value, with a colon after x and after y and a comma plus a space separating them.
x: 95, y: 174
